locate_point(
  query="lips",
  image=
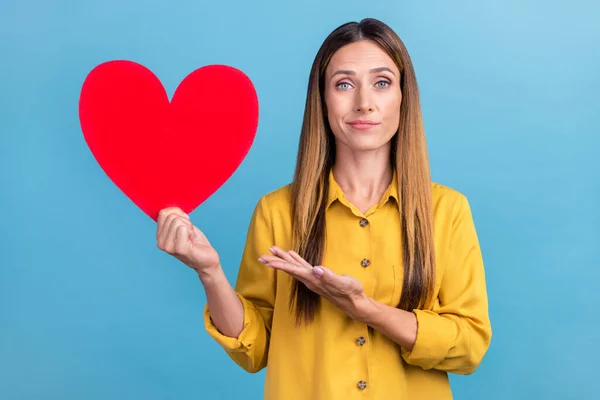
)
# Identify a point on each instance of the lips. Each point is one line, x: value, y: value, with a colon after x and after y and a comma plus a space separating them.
x: 363, y: 124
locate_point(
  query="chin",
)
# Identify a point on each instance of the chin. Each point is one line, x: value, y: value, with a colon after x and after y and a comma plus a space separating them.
x: 369, y: 143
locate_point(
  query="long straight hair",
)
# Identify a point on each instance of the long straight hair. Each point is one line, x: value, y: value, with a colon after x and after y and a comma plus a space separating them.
x: 408, y: 155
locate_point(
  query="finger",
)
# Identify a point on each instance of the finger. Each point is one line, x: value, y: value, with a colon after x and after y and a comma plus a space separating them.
x: 339, y: 284
x: 326, y: 276
x: 175, y: 223
x: 297, y: 271
x: 165, y: 226
x: 162, y: 218
x: 269, y: 259
x: 182, y: 235
x: 278, y: 251
x: 300, y: 272
x: 291, y: 257
x: 299, y: 259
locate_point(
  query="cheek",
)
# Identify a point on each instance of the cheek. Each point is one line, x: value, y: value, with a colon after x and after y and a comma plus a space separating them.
x: 392, y: 109
x: 337, y: 109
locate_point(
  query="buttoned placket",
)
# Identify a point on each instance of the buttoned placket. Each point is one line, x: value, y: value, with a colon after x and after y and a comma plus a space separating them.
x: 361, y: 339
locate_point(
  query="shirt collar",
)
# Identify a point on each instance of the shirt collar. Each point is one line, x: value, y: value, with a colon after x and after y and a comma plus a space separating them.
x: 336, y: 193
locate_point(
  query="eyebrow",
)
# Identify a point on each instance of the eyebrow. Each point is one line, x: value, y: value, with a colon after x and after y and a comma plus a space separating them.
x: 373, y: 71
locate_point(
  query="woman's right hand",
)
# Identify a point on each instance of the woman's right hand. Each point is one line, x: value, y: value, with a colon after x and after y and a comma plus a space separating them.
x: 176, y: 235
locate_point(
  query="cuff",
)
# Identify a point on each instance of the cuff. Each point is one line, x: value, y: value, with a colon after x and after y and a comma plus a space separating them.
x: 435, y: 336
x: 247, y: 336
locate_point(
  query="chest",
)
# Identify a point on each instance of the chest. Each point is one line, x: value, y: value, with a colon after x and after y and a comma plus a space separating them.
x: 368, y: 249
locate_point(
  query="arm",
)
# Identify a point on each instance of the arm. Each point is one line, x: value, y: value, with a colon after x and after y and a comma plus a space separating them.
x: 456, y: 333
x: 397, y: 324
x: 242, y: 325
x: 224, y: 306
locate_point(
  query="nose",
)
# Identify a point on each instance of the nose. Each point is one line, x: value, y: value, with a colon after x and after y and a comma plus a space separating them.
x: 364, y: 102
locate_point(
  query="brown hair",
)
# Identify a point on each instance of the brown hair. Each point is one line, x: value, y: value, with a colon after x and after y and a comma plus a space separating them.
x: 316, y: 156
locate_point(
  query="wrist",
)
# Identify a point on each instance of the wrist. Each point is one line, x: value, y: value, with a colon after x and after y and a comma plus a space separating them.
x: 211, y: 275
x: 366, y: 310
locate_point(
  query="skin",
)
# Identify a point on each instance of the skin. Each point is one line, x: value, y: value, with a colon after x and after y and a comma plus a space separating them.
x: 362, y: 83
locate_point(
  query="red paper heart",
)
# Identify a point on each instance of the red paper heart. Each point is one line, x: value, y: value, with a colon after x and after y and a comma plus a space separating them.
x: 162, y: 153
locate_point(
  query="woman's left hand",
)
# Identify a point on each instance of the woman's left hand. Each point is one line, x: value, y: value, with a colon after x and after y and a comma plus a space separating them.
x: 344, y: 291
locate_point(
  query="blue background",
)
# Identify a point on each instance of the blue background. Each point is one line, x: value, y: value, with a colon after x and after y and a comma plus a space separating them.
x: 90, y: 308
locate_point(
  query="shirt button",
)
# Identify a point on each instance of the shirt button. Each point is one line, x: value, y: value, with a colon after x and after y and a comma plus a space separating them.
x: 365, y: 262
x: 360, y: 340
x: 362, y: 385
x: 364, y: 222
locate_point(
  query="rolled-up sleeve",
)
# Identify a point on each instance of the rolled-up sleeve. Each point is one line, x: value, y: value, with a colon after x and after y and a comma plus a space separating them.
x: 455, y: 335
x: 255, y: 287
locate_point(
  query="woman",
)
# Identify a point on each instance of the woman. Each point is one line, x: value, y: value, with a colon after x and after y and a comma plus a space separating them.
x: 361, y: 277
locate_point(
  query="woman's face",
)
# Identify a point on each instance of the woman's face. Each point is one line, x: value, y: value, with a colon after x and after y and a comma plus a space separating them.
x: 362, y: 96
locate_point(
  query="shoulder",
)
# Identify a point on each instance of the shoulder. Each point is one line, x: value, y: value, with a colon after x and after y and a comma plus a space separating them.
x: 279, y: 197
x: 276, y: 201
x: 275, y: 207
x: 440, y: 191
x: 273, y: 213
x: 448, y: 202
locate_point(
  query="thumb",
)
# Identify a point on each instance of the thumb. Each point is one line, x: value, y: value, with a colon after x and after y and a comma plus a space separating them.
x: 325, y: 275
x: 199, y: 236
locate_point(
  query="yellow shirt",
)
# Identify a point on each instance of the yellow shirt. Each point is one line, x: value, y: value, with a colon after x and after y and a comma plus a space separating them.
x: 336, y: 357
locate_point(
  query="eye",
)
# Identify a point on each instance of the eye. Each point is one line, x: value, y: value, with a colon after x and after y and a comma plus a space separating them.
x: 343, y: 85
x: 383, y: 84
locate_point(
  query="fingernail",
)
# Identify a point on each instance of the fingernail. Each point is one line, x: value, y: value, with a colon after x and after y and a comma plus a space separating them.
x: 272, y: 250
x: 318, y: 271
x: 261, y: 260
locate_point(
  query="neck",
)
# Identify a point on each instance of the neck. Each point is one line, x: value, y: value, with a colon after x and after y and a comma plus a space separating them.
x: 365, y: 174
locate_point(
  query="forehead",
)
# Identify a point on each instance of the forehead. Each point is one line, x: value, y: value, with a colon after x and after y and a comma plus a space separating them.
x: 360, y: 55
